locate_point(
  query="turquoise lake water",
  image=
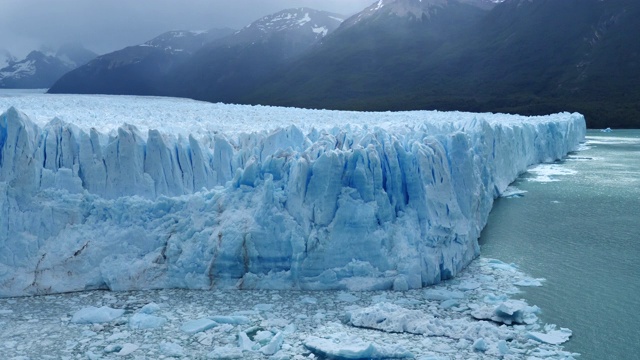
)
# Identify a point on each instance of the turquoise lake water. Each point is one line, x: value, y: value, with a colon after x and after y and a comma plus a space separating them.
x: 578, y: 226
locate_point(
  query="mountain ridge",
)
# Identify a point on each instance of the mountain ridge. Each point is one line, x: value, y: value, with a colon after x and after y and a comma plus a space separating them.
x: 41, y: 68
x: 516, y: 56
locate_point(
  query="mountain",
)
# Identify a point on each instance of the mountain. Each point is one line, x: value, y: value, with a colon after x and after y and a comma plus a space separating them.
x: 40, y: 69
x: 136, y: 70
x: 214, y: 66
x: 373, y: 57
x: 226, y: 69
x: 516, y: 56
x: 521, y: 56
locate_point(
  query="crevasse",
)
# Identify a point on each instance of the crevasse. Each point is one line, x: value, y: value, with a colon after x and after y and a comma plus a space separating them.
x: 343, y: 207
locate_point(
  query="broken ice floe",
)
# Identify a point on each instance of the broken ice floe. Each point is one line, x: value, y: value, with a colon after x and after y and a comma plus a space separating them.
x: 552, y: 336
x: 92, y: 315
x: 512, y: 192
x: 352, y: 348
x: 434, y: 323
x: 196, y: 326
x: 549, y: 172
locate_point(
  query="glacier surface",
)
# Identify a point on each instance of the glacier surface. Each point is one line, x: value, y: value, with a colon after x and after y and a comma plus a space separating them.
x: 125, y: 193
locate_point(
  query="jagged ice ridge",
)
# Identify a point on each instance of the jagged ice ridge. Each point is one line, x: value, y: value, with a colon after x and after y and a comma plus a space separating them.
x: 315, y: 200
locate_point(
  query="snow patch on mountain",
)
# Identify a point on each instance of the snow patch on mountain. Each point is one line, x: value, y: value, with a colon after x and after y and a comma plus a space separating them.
x: 295, y: 19
x: 19, y: 70
x: 417, y: 9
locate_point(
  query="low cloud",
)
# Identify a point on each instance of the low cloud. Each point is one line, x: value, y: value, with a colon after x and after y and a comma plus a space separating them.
x: 108, y: 25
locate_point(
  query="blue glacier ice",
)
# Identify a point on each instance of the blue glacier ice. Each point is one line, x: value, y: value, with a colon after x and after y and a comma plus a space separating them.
x: 378, y: 201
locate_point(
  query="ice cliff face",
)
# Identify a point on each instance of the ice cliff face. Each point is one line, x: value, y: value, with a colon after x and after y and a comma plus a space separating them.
x: 400, y: 205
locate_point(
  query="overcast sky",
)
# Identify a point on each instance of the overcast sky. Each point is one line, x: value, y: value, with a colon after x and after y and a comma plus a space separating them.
x: 108, y: 25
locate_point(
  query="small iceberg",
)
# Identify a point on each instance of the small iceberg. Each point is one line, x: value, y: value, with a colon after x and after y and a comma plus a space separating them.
x: 607, y: 130
x: 512, y: 192
x: 94, y: 315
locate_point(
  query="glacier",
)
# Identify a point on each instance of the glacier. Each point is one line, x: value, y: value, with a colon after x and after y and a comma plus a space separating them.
x: 130, y: 193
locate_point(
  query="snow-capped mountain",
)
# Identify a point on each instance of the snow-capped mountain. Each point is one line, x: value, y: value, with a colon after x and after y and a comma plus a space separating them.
x: 314, y: 23
x: 413, y: 9
x: 41, y: 69
x: 523, y: 56
x: 226, y: 69
x: 181, y: 41
x: 215, y: 65
x: 387, y: 41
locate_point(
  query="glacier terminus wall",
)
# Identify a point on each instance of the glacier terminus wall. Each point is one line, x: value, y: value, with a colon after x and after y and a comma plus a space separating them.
x: 194, y: 195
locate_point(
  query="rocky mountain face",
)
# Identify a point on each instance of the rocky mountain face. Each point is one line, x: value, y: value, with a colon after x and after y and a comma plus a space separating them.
x: 225, y: 70
x: 216, y: 65
x: 519, y: 56
x: 136, y: 70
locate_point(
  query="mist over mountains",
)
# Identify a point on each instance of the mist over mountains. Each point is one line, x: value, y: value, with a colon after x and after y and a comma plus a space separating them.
x: 518, y: 56
x: 41, y: 68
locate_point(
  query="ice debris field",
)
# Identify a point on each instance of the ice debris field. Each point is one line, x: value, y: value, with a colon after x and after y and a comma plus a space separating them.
x: 470, y: 317
x: 131, y: 193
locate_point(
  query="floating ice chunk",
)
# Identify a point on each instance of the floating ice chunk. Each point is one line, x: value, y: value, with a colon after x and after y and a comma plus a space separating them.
x: 226, y: 352
x: 263, y: 337
x: 449, y: 303
x: 480, y: 345
x: 529, y: 282
x: 579, y: 158
x: 127, y: 349
x: 497, y: 264
x: 112, y: 348
x: 274, y: 345
x: 607, y: 130
x: 92, y: 315
x: 442, y: 294
x: 549, y: 172
x: 275, y: 322
x: 118, y: 336
x: 508, y: 312
x: 263, y: 307
x: 552, y: 336
x: 347, y: 297
x: 354, y: 349
x: 146, y: 321
x: 512, y: 192
x: 150, y: 308
x: 244, y: 342
x: 233, y: 320
x: 171, y: 349
x: 390, y: 318
x: 503, y: 348
x: 468, y: 285
x: 309, y: 300
x: 494, y: 299
x: 196, y: 326
x: 290, y: 329
x: 6, y: 312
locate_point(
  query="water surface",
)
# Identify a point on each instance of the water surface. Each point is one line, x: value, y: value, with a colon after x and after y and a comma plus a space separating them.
x: 578, y: 226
